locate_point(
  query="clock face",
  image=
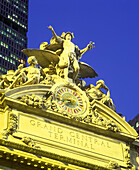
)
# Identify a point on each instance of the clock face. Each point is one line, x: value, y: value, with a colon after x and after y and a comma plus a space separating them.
x: 70, y: 100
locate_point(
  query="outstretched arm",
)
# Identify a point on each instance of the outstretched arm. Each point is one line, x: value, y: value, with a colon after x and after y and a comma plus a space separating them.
x: 20, y: 67
x: 90, y: 46
x: 53, y: 32
x: 58, y: 39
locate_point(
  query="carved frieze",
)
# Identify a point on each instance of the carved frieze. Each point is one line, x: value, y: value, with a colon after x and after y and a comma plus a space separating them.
x: 30, y: 142
x: 96, y: 118
x: 127, y: 156
x: 35, y: 101
x: 112, y: 165
x: 48, y: 101
x: 11, y: 124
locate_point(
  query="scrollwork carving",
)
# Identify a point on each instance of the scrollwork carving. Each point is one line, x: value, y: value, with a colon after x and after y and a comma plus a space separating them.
x: 30, y: 142
x: 35, y: 101
x: 112, y: 165
x: 127, y: 156
x: 47, y: 101
x: 95, y: 118
x: 54, y: 106
x: 13, y: 120
x: 12, y: 123
x: 112, y: 126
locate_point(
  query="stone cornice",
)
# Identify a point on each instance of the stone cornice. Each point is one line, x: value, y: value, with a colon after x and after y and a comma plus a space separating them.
x: 26, y: 155
x: 61, y: 117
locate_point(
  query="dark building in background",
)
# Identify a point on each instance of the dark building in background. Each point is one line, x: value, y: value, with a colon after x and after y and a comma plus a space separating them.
x: 13, y: 33
x: 135, y: 123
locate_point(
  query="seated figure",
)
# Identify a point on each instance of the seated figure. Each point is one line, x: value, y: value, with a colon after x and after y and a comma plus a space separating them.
x: 28, y: 75
x: 61, y: 58
x: 7, y: 79
x: 94, y: 92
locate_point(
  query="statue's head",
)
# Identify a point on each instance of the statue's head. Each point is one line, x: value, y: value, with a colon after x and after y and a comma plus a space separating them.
x: 32, y: 60
x: 43, y: 45
x: 67, y: 35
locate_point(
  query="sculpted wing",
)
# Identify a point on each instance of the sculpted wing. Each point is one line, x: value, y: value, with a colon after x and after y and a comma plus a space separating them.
x: 44, y: 57
x: 54, y: 47
x: 86, y: 71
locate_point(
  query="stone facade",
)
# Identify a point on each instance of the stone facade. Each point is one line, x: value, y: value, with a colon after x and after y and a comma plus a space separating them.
x: 49, y: 119
x: 45, y: 137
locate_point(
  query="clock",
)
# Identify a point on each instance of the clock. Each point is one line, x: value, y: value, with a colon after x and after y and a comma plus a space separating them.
x: 71, y: 99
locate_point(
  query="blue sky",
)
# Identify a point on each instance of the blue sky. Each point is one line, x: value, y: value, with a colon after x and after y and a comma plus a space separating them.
x: 114, y: 27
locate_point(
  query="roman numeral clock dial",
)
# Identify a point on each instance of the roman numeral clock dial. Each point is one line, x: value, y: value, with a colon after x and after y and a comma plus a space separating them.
x: 71, y: 99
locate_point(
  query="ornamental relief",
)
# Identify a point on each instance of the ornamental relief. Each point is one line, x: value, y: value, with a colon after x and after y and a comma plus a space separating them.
x: 35, y: 101
x: 127, y: 156
x: 48, y: 102
x: 12, y: 123
x: 30, y: 142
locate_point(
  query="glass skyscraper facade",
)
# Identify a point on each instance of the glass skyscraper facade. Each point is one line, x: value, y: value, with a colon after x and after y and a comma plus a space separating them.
x: 13, y: 33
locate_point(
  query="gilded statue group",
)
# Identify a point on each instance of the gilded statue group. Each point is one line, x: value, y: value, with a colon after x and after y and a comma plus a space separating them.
x: 59, y: 61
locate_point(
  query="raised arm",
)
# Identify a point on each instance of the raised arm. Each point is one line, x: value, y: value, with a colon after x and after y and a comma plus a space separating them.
x: 58, y: 39
x: 90, y: 46
x: 20, y: 67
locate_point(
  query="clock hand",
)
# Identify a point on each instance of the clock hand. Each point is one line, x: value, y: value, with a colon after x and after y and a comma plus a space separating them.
x: 69, y: 100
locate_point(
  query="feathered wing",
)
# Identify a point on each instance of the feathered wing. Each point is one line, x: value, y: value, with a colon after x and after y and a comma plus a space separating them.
x: 44, y: 57
x: 86, y: 71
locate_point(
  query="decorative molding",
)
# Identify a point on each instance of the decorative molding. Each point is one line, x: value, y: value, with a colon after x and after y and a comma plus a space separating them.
x: 92, y: 118
x: 110, y: 125
x: 30, y: 142
x: 12, y: 123
x: 127, y: 157
x: 4, y: 134
x: 53, y: 160
x: 47, y: 101
x: 36, y: 101
x: 112, y: 165
x: 95, y: 118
